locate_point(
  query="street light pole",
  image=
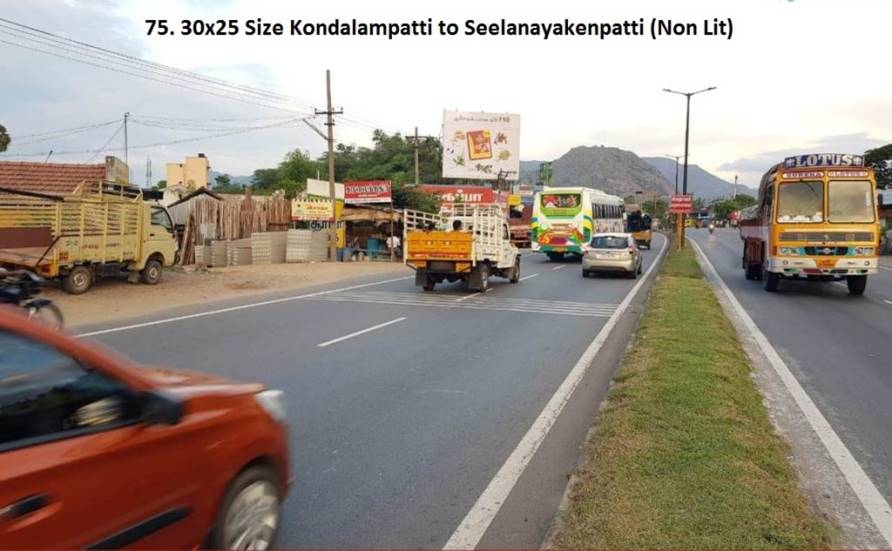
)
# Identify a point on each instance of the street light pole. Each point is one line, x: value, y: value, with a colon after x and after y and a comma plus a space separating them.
x: 687, y: 135
x: 676, y: 157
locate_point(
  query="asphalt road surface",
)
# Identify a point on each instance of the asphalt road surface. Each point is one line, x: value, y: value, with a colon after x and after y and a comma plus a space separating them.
x: 838, y: 346
x: 403, y: 404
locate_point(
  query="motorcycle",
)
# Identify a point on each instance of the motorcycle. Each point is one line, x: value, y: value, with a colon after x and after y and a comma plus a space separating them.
x: 711, y: 228
x: 19, y: 288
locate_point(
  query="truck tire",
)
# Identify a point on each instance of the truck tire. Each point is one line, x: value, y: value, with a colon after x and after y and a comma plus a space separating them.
x: 515, y: 272
x: 856, y: 284
x: 78, y: 281
x: 555, y: 257
x: 429, y: 283
x: 770, y: 280
x: 484, y: 277
x: 151, y: 274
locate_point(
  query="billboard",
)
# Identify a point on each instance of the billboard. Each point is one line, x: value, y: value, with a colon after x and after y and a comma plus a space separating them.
x: 319, y: 189
x: 371, y: 191
x: 460, y: 194
x: 480, y: 146
x: 311, y: 210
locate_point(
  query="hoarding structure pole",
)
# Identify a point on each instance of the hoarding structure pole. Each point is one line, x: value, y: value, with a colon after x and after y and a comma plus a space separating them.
x: 126, y: 148
x: 329, y: 112
x: 417, y: 177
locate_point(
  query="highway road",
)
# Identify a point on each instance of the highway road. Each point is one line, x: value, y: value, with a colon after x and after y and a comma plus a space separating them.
x: 839, y: 348
x: 404, y: 405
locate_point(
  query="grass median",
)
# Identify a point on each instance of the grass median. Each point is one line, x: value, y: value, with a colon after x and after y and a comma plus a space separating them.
x: 683, y: 454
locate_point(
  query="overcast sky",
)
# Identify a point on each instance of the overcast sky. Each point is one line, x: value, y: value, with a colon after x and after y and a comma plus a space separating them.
x: 797, y: 76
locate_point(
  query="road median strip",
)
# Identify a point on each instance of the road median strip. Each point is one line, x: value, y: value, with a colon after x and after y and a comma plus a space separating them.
x: 683, y: 454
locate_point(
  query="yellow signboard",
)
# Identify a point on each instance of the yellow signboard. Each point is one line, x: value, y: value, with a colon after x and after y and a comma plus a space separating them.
x: 513, y: 200
x: 311, y: 210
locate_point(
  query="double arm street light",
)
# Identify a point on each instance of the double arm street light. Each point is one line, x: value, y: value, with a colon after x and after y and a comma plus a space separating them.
x: 687, y: 134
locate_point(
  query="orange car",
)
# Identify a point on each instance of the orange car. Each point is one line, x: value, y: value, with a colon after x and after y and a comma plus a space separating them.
x: 97, y: 452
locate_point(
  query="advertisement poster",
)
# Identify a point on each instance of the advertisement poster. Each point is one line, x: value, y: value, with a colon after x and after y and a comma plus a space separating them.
x: 460, y: 194
x: 480, y: 146
x: 365, y: 192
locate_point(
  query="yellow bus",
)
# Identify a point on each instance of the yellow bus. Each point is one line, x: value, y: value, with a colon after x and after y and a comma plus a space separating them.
x: 816, y: 220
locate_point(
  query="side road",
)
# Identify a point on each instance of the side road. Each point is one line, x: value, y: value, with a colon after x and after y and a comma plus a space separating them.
x: 684, y: 454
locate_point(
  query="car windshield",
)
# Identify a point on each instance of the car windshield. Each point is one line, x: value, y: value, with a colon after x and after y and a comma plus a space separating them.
x: 609, y: 242
x: 800, y: 202
x: 850, y: 202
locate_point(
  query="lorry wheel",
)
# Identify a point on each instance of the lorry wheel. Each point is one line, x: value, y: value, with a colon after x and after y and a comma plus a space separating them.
x: 555, y: 257
x: 151, y: 274
x: 770, y: 281
x: 484, y: 278
x: 429, y: 283
x: 856, y: 284
x: 78, y: 280
x: 515, y: 273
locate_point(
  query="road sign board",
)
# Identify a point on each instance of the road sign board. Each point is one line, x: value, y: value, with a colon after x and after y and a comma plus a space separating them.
x: 681, y: 204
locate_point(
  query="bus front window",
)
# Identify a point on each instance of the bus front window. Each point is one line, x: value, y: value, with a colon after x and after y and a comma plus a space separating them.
x: 850, y: 202
x: 800, y: 202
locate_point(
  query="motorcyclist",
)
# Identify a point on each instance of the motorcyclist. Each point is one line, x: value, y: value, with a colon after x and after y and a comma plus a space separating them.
x: 711, y: 227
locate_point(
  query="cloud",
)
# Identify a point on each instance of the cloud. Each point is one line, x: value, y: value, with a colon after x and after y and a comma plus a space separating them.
x: 843, y: 143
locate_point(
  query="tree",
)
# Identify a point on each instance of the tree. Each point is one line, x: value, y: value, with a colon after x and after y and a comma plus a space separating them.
x: 723, y: 208
x: 880, y: 159
x: 223, y: 184
x: 161, y: 184
x: 4, y: 139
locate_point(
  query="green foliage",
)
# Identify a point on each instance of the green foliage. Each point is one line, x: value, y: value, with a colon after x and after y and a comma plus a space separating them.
x: 722, y: 209
x: 161, y: 184
x: 4, y: 139
x: 880, y: 159
x: 223, y: 184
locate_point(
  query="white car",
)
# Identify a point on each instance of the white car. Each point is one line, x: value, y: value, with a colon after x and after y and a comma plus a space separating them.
x: 612, y: 252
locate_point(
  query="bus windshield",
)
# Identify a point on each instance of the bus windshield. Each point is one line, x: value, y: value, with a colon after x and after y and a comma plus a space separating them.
x: 567, y: 204
x: 850, y: 202
x: 800, y: 202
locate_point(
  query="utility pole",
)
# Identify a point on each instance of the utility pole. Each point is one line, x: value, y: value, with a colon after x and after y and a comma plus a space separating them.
x: 148, y: 172
x: 417, y: 176
x: 126, y: 156
x: 329, y: 112
x: 676, y: 157
x: 735, y: 186
x: 687, y: 134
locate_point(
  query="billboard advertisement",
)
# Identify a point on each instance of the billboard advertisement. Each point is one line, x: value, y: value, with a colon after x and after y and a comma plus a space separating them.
x: 480, y: 146
x: 310, y: 210
x: 371, y: 191
x: 319, y: 189
x: 460, y: 194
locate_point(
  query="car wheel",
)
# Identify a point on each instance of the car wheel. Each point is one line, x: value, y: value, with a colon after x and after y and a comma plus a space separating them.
x: 151, y: 274
x: 585, y: 273
x: 78, y: 280
x: 249, y: 517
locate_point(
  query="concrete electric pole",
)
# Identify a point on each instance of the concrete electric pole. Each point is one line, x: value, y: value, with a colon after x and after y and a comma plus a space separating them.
x: 329, y: 112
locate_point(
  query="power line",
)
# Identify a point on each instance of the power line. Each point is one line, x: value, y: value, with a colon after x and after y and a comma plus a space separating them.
x: 72, y: 129
x: 48, y: 38
x: 101, y: 149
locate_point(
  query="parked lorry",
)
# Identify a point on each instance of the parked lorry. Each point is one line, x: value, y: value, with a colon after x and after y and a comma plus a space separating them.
x: 519, y: 225
x: 461, y: 242
x: 99, y: 229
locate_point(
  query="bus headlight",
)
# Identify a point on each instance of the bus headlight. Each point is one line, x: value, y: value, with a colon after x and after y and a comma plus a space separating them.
x: 864, y: 251
x: 789, y: 251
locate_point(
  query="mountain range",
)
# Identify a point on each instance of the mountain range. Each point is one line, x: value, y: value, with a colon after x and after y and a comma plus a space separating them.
x: 622, y: 173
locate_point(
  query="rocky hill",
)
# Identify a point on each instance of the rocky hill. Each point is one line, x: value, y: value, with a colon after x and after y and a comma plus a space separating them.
x: 610, y: 169
x: 701, y: 183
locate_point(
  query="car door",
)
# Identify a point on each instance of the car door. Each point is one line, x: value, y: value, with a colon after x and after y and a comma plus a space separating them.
x: 78, y: 467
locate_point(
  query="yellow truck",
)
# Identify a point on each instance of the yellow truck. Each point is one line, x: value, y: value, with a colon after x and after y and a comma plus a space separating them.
x: 98, y: 230
x: 461, y: 242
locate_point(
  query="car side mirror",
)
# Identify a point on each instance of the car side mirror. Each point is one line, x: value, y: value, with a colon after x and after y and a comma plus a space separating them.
x: 160, y: 409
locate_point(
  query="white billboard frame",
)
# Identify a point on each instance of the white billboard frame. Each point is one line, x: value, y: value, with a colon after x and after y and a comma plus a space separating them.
x: 480, y: 145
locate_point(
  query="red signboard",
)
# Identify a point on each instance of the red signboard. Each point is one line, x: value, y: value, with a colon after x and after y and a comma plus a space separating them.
x: 371, y: 191
x: 681, y: 204
x: 461, y: 194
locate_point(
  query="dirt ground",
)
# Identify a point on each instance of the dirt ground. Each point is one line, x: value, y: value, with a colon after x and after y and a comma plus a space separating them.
x: 113, y: 299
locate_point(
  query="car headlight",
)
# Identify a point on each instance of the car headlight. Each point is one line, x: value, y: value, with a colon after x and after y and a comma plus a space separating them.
x: 273, y: 402
x: 789, y: 251
x: 864, y: 251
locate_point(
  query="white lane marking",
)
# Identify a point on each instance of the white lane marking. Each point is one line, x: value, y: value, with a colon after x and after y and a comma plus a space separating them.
x: 885, y: 268
x: 889, y: 302
x: 235, y: 308
x: 471, y: 529
x: 559, y: 267
x: 360, y: 332
x: 527, y: 277
x: 466, y: 297
x: 871, y: 498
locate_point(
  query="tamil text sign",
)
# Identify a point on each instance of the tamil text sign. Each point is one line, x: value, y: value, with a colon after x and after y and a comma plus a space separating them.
x: 319, y: 211
x: 373, y: 191
x: 460, y: 194
x: 481, y: 146
x: 681, y: 204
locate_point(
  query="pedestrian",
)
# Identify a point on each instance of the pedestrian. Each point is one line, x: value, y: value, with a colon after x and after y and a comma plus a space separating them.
x: 393, y: 243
